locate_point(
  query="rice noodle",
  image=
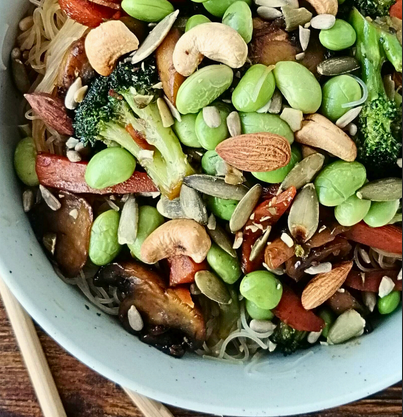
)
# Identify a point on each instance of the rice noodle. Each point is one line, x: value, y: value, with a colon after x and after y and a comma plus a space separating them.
x: 379, y: 259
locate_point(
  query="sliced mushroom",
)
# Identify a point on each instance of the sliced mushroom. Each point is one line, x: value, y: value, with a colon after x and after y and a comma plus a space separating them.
x: 171, y: 325
x: 344, y: 301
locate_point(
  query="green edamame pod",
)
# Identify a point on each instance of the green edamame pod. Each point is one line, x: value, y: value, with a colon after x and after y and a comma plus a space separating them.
x: 149, y: 221
x: 390, y: 303
x: 341, y: 36
x: 226, y: 267
x: 218, y: 7
x: 277, y: 176
x: 186, y: 131
x: 329, y: 318
x: 271, y: 123
x: 339, y: 181
x: 208, y: 137
x: 110, y: 167
x: 213, y: 164
x: 257, y: 313
x: 223, y: 209
x: 381, y: 214
x: 25, y: 162
x: 239, y: 17
x: 337, y: 92
x: 104, y: 245
x: 299, y: 86
x: 148, y: 10
x: 352, y: 211
x: 196, y: 20
x: 255, y: 89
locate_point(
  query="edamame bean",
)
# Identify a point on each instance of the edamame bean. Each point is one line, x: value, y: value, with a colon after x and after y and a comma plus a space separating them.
x: 381, y: 214
x: 352, y: 211
x: 104, y: 245
x: 148, y: 10
x: 257, y: 313
x: 329, y: 318
x: 25, y: 162
x: 299, y: 86
x: 208, y: 137
x: 226, y: 267
x: 277, y: 176
x: 196, y: 20
x: 339, y: 181
x: 341, y: 36
x: 390, y: 303
x: 213, y: 164
x: 109, y: 167
x: 149, y: 221
x: 239, y: 17
x: 271, y: 123
x: 203, y: 87
x: 255, y: 89
x: 223, y: 209
x: 186, y: 131
x: 337, y: 92
x: 263, y: 289
x: 218, y: 7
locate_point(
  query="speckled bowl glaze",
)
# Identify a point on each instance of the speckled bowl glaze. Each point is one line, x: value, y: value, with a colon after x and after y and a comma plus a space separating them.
x: 309, y: 381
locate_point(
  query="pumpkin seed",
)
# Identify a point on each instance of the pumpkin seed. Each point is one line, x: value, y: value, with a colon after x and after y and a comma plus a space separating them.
x: 215, y: 187
x: 303, y: 220
x: 304, y: 172
x: 304, y: 37
x: 212, y: 117
x: 245, y: 208
x: 352, y: 129
x: 193, y: 206
x: 49, y: 241
x: 349, y: 117
x: 268, y: 13
x: 294, y: 18
x: 52, y: 202
x: 323, y: 21
x: 348, y: 326
x: 170, y: 209
x: 213, y: 287
x: 234, y: 124
x: 28, y: 200
x: 174, y: 111
x: 259, y: 245
x: 338, y: 66
x: 165, y: 113
x: 129, y: 222
x: 388, y: 189
x: 221, y: 239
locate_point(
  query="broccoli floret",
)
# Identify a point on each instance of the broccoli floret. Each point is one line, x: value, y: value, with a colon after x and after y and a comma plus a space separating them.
x: 374, y: 8
x: 379, y: 137
x: 127, y: 98
x: 289, y: 340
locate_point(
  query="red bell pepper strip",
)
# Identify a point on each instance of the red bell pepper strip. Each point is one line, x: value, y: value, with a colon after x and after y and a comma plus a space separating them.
x: 58, y: 172
x: 291, y: 311
x: 371, y: 281
x: 396, y: 10
x: 183, y: 270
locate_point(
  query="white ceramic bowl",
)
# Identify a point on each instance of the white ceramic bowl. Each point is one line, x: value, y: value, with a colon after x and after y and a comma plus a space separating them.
x: 309, y: 381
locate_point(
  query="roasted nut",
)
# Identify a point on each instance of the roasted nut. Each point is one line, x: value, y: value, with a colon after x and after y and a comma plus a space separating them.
x: 325, y: 6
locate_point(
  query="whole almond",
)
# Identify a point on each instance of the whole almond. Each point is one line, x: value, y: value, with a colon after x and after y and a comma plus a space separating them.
x: 258, y: 152
x: 324, y: 286
x: 52, y: 111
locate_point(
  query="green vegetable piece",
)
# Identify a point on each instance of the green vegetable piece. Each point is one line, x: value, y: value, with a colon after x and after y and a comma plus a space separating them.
x: 339, y: 181
x: 221, y: 208
x: 203, y: 87
x: 196, y: 20
x: 271, y: 123
x: 25, y: 162
x: 390, y: 303
x: 381, y: 214
x: 337, y: 92
x: 149, y: 221
x: 341, y: 36
x: 213, y: 164
x: 255, y: 89
x: 219, y: 7
x: 329, y: 318
x: 239, y: 17
x: 110, y: 167
x: 263, y: 289
x: 277, y: 176
x: 352, y: 211
x: 208, y: 137
x: 186, y: 131
x: 104, y: 245
x: 226, y: 267
x: 299, y: 86
x: 148, y: 10
x: 257, y: 313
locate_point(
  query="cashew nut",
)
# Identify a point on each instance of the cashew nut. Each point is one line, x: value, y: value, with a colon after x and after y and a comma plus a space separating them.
x: 325, y: 6
x: 176, y: 238
x: 107, y: 43
x: 215, y: 41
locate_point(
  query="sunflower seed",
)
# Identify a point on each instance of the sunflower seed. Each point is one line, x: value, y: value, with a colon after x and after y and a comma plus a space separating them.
x: 28, y: 200
x: 268, y: 13
x: 293, y: 118
x: 348, y: 326
x: 135, y: 320
x: 238, y: 240
x: 278, y: 3
x: 174, y: 111
x: 69, y: 102
x: 52, y: 202
x: 165, y: 113
x: 73, y: 156
x: 212, y: 222
x: 72, y: 143
x: 386, y: 288
x: 216, y: 187
x: 352, y: 129
x: 233, y: 176
x: 192, y: 205
x: 400, y: 163
x: 323, y: 21
x: 259, y: 245
x: 49, y: 241
x: 349, y: 117
x: 300, y: 56
x: 338, y: 66
x: 370, y: 300
x: 234, y: 124
x: 212, y: 117
x: 319, y: 269
x: 388, y: 189
x: 304, y: 37
x: 262, y: 326
x: 303, y: 220
x: 129, y: 221
x: 80, y: 94
x: 245, y: 208
x: 170, y: 209
x: 212, y: 287
x: 287, y: 239
x: 221, y: 239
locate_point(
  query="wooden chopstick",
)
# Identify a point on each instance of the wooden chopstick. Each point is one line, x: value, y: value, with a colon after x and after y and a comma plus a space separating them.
x: 38, y: 368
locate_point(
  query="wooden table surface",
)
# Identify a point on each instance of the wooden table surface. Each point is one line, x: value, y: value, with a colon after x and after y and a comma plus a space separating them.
x: 86, y: 394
